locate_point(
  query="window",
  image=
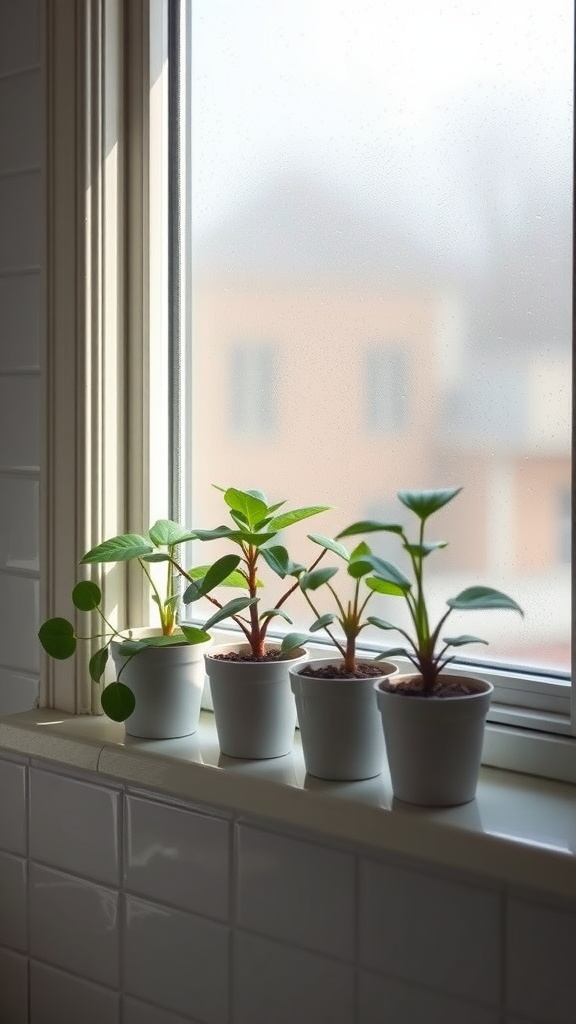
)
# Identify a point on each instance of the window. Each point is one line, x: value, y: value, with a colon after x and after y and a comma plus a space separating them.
x: 386, y: 382
x: 252, y: 384
x: 396, y: 184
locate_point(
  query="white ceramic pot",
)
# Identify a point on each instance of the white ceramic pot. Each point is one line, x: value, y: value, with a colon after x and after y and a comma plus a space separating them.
x: 254, y: 707
x: 167, y: 684
x: 434, y: 744
x: 339, y: 723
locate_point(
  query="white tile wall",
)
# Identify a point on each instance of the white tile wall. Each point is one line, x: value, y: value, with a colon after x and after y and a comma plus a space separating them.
x: 303, y: 933
x: 60, y: 998
x: 20, y: 220
x: 59, y: 809
x: 20, y: 126
x: 19, y: 403
x: 434, y: 931
x: 13, y: 924
x: 178, y: 856
x: 19, y: 615
x: 74, y: 924
x: 13, y: 987
x: 541, y: 956
x: 279, y: 984
x: 19, y: 525
x: 176, y: 960
x: 20, y: 305
x: 296, y: 891
x: 387, y: 999
x: 18, y: 691
x: 19, y: 38
x: 13, y: 807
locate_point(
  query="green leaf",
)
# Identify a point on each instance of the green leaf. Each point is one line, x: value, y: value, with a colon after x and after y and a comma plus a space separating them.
x: 230, y: 609
x: 118, y: 701
x: 219, y: 571
x: 331, y: 545
x: 194, y: 635
x: 459, y: 641
x: 360, y: 550
x: 156, y: 556
x: 317, y: 577
x: 272, y: 612
x: 278, y: 559
x: 57, y: 638
x: 384, y: 587
x: 482, y: 598
x: 98, y: 663
x: 423, y: 550
x: 118, y: 549
x: 250, y: 505
x: 322, y: 622
x: 234, y: 579
x: 370, y: 526
x: 286, y: 519
x: 425, y: 503
x: 217, y: 534
x: 393, y: 652
x: 193, y: 593
x: 129, y: 647
x: 383, y: 570
x: 166, y: 533
x: 380, y: 623
x: 86, y: 596
x: 293, y: 640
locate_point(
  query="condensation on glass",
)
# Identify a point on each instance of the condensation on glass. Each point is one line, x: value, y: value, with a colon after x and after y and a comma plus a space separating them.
x: 381, y: 280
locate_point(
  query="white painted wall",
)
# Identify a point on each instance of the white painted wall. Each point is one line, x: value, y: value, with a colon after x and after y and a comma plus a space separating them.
x: 21, y: 227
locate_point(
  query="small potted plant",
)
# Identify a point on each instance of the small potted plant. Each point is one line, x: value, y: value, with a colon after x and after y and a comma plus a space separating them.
x: 160, y: 671
x: 335, y: 698
x: 433, y: 720
x: 253, y: 704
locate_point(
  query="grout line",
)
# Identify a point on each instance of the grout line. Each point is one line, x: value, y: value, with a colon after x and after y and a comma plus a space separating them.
x: 356, y: 955
x: 29, y: 270
x: 20, y: 371
x: 233, y: 915
x: 5, y: 76
x: 20, y: 172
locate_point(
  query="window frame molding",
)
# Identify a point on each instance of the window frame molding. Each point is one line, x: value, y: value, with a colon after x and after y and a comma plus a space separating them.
x: 96, y: 313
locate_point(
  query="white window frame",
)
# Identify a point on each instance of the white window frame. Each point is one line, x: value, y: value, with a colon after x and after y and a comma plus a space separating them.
x: 104, y: 466
x: 105, y: 302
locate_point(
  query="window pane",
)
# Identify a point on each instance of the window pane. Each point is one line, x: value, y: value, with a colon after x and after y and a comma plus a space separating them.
x: 381, y: 199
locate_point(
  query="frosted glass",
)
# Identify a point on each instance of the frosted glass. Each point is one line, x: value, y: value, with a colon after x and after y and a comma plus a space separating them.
x: 381, y: 220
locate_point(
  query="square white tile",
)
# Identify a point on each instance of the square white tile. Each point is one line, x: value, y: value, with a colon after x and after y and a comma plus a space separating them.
x: 20, y: 230
x: 387, y: 999
x: 13, y: 804
x: 74, y: 925
x: 296, y: 891
x: 74, y: 826
x: 60, y: 998
x: 20, y: 124
x: 13, y: 988
x: 20, y: 447
x: 176, y: 960
x: 13, y: 921
x: 277, y: 984
x: 177, y: 856
x: 541, y: 961
x: 21, y: 306
x: 18, y: 691
x: 19, y: 522
x: 434, y: 931
x: 19, y: 38
x: 136, y: 1012
x: 19, y: 604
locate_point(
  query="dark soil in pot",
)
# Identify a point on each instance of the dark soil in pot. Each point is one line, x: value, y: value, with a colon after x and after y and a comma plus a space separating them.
x: 446, y: 687
x: 331, y: 671
x: 237, y: 656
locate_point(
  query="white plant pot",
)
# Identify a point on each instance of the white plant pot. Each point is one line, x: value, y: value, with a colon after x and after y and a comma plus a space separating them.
x: 434, y: 744
x: 254, y: 707
x: 167, y: 683
x: 339, y: 723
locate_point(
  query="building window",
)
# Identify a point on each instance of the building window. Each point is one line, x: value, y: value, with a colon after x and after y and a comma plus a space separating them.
x: 252, y: 388
x: 386, y: 382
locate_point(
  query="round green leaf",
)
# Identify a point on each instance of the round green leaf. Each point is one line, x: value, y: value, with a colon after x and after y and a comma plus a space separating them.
x: 166, y: 533
x: 118, y: 701
x: 57, y: 638
x: 317, y: 577
x: 194, y: 635
x: 322, y: 622
x: 293, y: 640
x: 97, y: 664
x: 86, y: 596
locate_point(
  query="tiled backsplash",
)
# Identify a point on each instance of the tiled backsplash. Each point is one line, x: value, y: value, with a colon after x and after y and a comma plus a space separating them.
x: 121, y: 907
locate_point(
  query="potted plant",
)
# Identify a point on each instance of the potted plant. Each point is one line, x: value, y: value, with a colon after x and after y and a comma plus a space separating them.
x: 433, y: 720
x: 160, y: 671
x: 335, y: 698
x: 253, y: 703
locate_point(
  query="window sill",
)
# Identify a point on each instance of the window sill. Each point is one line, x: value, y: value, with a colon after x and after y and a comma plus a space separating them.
x: 520, y: 830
